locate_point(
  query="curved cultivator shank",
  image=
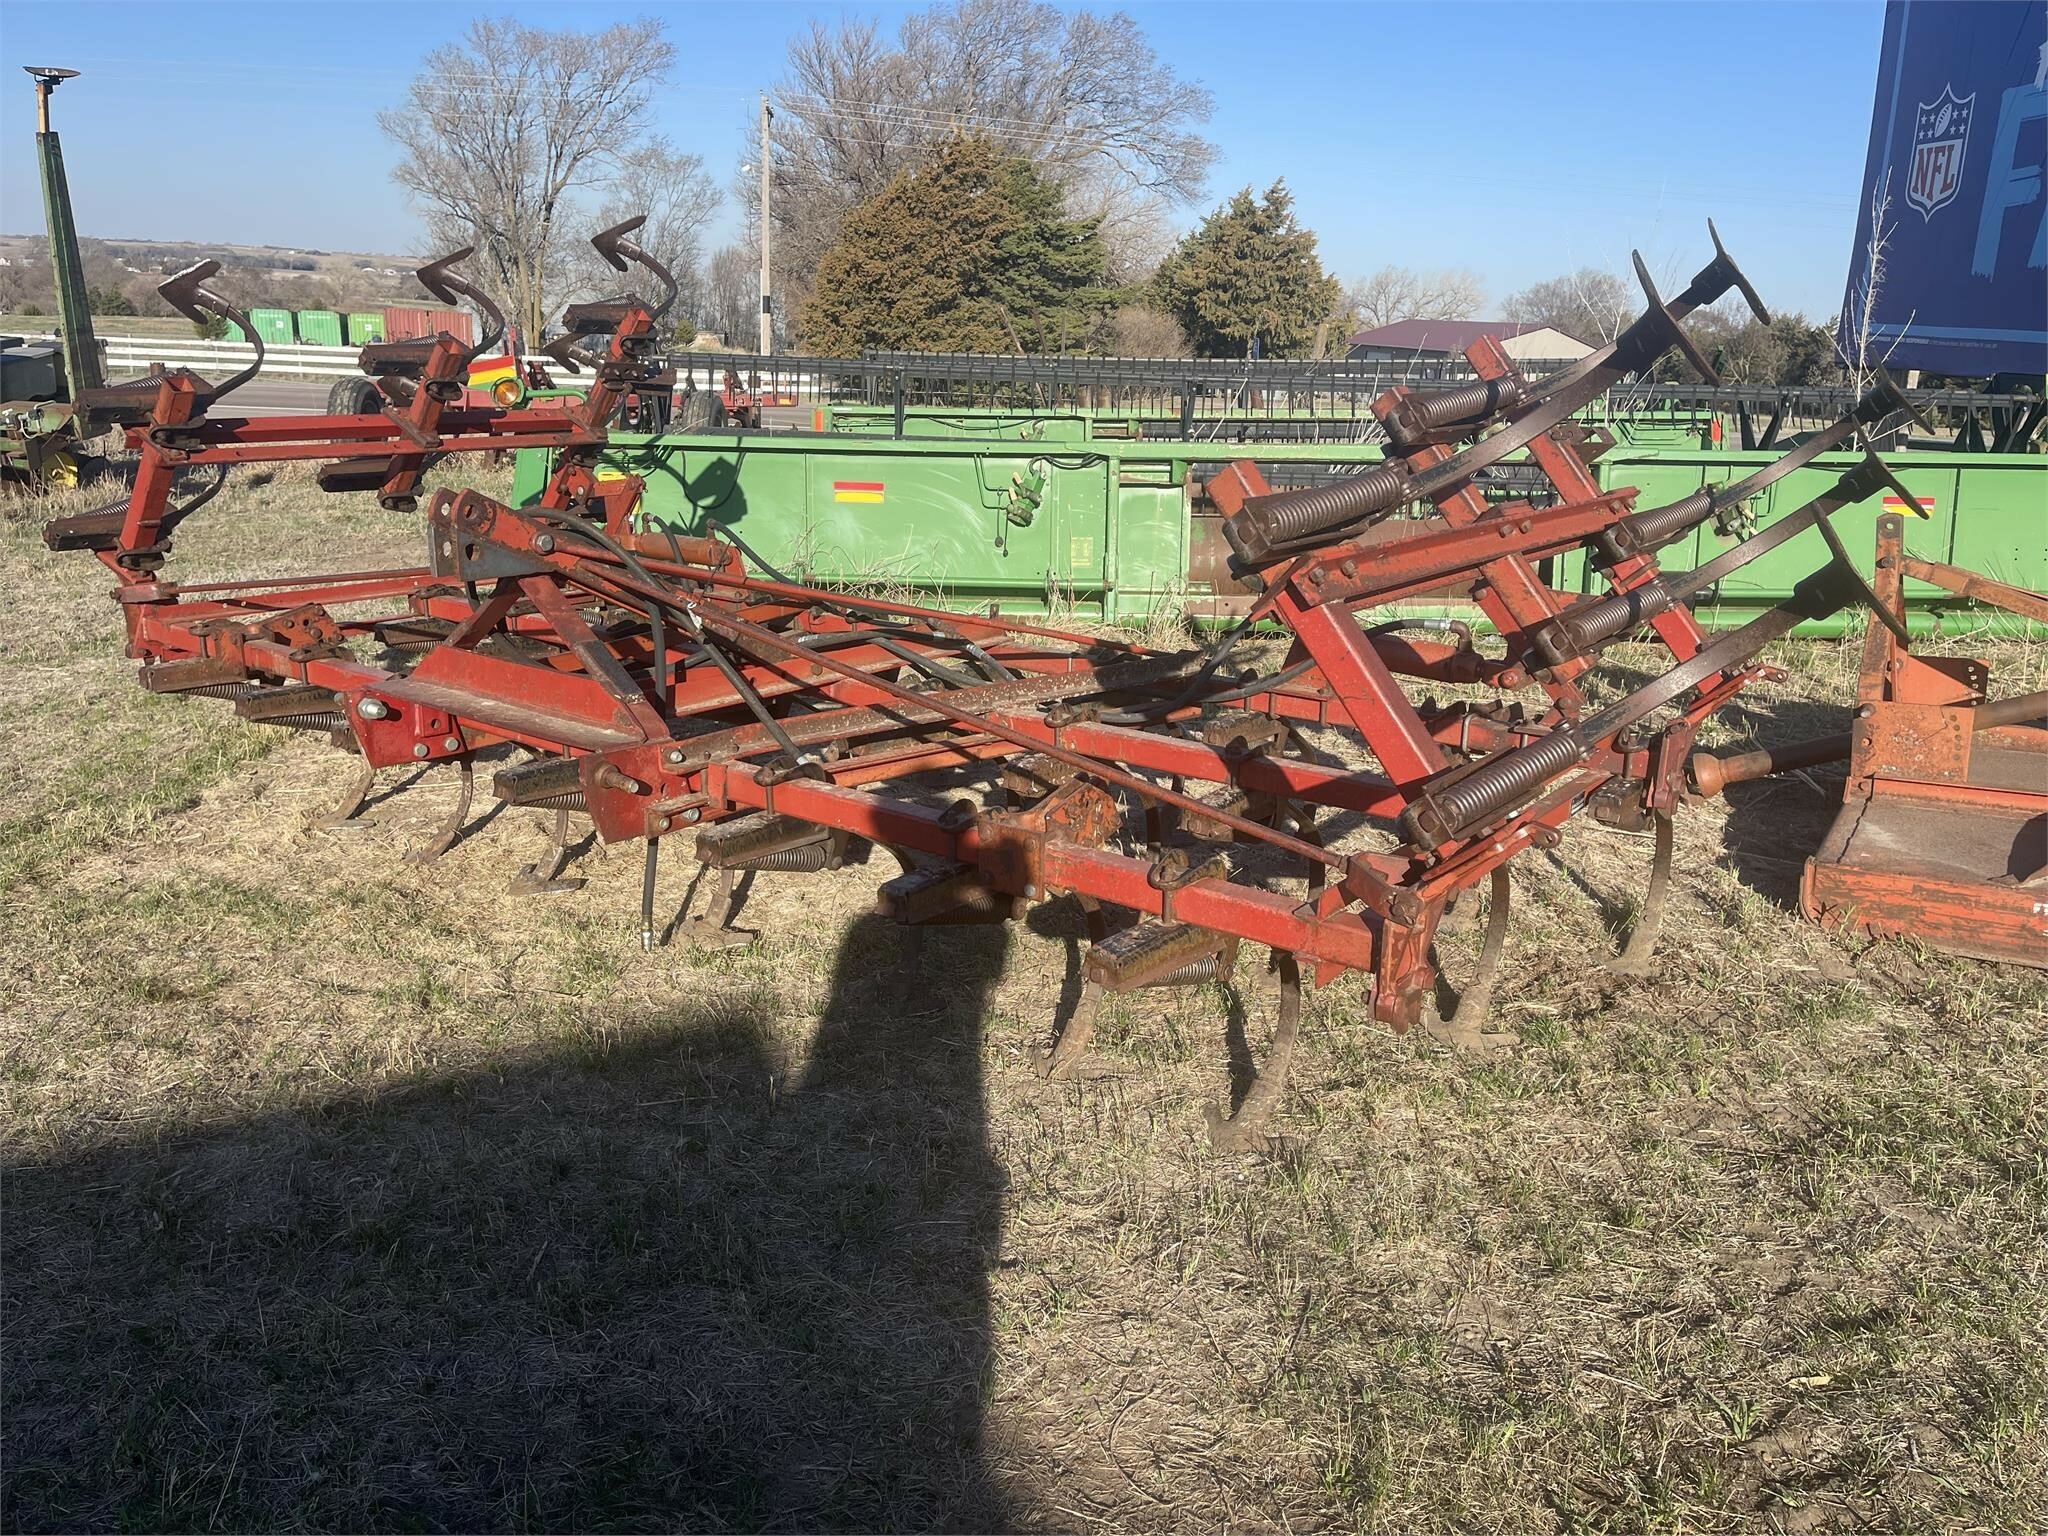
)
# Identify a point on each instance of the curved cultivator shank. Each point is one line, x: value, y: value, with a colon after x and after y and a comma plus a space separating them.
x: 661, y: 689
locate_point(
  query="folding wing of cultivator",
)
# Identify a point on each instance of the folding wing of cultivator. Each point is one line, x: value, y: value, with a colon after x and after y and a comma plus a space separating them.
x: 664, y: 686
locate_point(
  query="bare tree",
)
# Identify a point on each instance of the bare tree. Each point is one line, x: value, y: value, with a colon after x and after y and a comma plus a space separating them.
x: 1589, y: 304
x: 1138, y: 330
x: 1401, y: 293
x: 503, y: 130
x: 678, y: 197
x: 1862, y: 304
x: 1082, y: 96
x: 732, y: 295
x: 28, y: 287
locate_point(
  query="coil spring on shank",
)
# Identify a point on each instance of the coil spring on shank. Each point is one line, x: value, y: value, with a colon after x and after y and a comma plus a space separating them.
x: 1286, y: 516
x: 221, y: 690
x: 569, y: 800
x: 1475, y: 400
x: 1660, y: 525
x: 1590, y: 623
x: 806, y: 859
x: 1207, y: 968
x: 321, y: 721
x: 1501, y: 781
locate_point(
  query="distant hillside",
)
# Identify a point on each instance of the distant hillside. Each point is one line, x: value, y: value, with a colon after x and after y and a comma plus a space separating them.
x: 122, y: 275
x: 148, y: 254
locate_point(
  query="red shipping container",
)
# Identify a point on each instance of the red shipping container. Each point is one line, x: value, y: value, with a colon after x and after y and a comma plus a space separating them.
x: 404, y: 322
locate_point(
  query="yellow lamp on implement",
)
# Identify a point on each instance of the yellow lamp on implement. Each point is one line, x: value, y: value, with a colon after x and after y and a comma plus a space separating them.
x: 498, y: 378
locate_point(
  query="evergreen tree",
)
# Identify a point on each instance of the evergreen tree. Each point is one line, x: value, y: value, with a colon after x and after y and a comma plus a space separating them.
x: 973, y: 252
x: 1250, y: 273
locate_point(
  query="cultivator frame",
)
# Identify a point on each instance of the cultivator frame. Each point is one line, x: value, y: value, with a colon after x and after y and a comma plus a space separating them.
x: 662, y: 686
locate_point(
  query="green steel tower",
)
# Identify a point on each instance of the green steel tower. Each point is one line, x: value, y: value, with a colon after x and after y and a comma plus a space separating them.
x: 81, y: 349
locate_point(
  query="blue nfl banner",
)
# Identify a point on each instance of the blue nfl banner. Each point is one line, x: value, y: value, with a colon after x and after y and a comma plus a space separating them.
x: 1953, y: 184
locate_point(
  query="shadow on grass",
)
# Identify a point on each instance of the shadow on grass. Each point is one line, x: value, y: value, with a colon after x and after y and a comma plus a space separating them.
x: 1773, y: 824
x: 636, y: 1281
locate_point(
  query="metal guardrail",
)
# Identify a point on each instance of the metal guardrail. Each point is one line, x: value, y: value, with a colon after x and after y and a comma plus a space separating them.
x: 137, y: 354
x: 127, y: 356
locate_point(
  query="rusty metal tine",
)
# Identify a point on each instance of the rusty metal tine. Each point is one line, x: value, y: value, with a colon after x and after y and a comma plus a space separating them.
x: 1247, y: 1128
x: 451, y: 829
x: 1722, y: 271
x: 187, y: 293
x: 1475, y: 1003
x: 714, y: 929
x: 1059, y: 1059
x: 440, y: 279
x: 615, y: 247
x: 343, y: 817
x: 542, y: 879
x: 1638, y: 959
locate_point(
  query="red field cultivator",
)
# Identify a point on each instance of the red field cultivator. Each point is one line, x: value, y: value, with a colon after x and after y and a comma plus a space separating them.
x: 664, y: 686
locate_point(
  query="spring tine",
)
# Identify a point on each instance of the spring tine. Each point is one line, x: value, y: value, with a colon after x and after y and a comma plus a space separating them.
x: 1059, y: 1059
x: 1245, y: 1129
x: 538, y: 879
x: 441, y: 280
x: 1466, y: 1026
x: 615, y: 247
x: 714, y: 930
x: 451, y: 829
x: 1071, y: 1041
x: 1638, y: 959
x: 343, y: 817
x: 913, y: 934
x: 1093, y: 921
x: 187, y: 293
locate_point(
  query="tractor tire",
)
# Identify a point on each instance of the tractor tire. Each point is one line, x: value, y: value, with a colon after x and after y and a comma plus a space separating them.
x: 354, y: 397
x: 700, y: 412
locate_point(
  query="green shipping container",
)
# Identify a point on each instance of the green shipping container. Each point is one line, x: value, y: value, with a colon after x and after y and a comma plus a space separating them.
x: 364, y: 327
x: 319, y: 328
x: 273, y: 325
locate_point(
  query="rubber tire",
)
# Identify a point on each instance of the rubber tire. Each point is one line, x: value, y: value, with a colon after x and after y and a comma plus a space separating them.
x: 701, y: 412
x: 354, y: 397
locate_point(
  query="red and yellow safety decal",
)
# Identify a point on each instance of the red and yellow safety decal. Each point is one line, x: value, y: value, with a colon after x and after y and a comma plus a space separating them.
x: 1896, y: 504
x: 486, y: 371
x: 858, y: 490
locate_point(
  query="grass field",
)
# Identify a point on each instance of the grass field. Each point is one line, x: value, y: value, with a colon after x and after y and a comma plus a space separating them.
x: 343, y: 1193
x: 173, y: 327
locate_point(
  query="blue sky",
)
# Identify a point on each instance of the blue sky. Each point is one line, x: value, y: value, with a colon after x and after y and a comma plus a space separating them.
x: 1519, y: 140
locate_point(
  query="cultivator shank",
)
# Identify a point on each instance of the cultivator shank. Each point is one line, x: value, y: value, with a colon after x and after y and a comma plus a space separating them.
x: 655, y: 685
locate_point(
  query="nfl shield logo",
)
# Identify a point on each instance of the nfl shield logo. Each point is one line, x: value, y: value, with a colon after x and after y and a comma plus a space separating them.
x: 1941, y: 135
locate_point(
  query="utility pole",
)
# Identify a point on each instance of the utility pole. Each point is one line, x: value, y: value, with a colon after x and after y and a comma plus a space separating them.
x: 767, y: 235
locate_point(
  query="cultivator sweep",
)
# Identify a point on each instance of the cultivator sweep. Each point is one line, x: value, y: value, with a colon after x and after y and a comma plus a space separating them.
x: 665, y: 687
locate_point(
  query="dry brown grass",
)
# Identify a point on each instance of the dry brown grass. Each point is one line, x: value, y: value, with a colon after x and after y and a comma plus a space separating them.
x: 344, y: 1194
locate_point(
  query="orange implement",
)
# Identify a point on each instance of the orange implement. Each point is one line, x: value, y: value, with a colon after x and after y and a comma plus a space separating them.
x: 1943, y: 833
